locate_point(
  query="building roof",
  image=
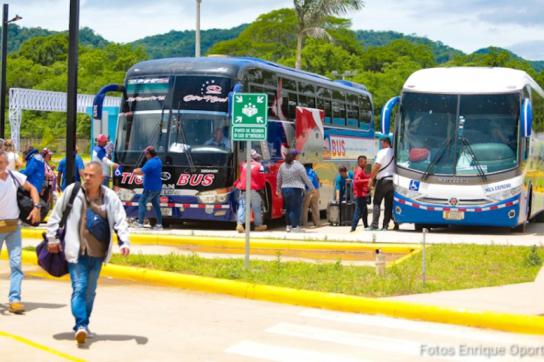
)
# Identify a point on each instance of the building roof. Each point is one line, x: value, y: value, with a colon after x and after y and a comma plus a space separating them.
x: 470, y: 80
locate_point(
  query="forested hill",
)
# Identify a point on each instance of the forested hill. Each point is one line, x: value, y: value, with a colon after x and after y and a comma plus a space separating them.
x: 182, y: 43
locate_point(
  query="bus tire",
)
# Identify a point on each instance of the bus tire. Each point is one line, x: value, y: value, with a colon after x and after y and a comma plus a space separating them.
x: 419, y: 227
x: 521, y: 228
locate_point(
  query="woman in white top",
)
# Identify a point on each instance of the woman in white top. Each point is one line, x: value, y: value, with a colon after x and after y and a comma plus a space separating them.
x: 13, y: 159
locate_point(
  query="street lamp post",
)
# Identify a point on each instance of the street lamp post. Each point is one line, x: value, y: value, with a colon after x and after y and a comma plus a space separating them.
x: 5, y: 23
x: 71, y: 99
x: 197, y: 32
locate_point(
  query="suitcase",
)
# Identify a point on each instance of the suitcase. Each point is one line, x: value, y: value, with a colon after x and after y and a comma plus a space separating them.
x: 333, y: 213
x: 347, y: 209
x: 341, y: 214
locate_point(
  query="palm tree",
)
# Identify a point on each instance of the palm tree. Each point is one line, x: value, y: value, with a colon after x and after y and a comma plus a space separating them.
x: 312, y: 14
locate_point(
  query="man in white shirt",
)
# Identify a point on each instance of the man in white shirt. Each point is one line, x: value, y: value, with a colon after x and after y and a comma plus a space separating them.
x: 382, y: 172
x: 10, y: 229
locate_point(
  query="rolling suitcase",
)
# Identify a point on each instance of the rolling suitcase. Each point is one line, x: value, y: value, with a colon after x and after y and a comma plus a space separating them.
x: 333, y: 213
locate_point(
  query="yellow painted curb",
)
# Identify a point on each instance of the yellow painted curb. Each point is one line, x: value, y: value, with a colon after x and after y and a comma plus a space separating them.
x: 499, y: 321
x: 40, y: 346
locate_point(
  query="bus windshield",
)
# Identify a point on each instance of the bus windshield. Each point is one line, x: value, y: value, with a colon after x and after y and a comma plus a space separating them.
x: 458, y: 134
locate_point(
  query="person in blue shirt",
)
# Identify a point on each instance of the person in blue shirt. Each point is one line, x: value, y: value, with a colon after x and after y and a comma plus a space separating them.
x: 343, y: 178
x: 78, y: 172
x: 311, y: 199
x: 35, y: 168
x: 101, y: 155
x: 151, y: 170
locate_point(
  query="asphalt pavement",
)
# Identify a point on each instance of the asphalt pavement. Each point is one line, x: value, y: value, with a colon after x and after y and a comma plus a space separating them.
x: 134, y: 322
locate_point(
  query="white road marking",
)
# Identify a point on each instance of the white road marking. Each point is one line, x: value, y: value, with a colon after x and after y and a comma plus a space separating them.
x: 423, y: 327
x: 272, y: 352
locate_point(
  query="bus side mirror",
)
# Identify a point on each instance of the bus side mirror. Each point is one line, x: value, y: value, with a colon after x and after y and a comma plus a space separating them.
x: 526, y: 117
x: 386, y: 114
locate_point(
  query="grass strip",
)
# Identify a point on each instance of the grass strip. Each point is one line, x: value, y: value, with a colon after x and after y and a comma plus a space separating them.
x: 449, y: 267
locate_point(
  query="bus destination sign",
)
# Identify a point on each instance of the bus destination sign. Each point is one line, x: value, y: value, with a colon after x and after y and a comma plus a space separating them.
x: 249, y: 117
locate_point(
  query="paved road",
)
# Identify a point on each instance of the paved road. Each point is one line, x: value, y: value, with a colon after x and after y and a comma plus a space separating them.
x: 145, y: 323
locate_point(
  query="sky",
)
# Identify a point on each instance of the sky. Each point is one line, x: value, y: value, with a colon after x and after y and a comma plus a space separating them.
x: 467, y: 25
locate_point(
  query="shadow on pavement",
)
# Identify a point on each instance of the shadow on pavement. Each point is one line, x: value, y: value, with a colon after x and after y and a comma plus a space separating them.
x: 29, y: 306
x: 101, y: 337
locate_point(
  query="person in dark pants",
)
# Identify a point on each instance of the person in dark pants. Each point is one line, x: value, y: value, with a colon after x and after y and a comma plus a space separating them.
x: 382, y: 172
x: 361, y: 182
x: 291, y: 180
x: 152, y: 186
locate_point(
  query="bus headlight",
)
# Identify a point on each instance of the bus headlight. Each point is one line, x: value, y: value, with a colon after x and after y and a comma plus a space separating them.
x: 212, y: 197
x: 407, y: 193
x: 503, y: 195
x: 125, y: 194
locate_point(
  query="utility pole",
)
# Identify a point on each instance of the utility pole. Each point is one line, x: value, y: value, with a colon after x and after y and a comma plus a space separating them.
x: 71, y: 101
x: 197, y: 32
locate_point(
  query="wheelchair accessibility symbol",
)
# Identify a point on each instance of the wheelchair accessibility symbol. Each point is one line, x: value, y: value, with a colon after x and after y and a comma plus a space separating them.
x: 414, y: 185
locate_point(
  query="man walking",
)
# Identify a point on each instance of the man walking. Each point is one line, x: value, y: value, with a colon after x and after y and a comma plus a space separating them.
x: 78, y: 172
x: 257, y: 184
x: 383, y: 170
x: 152, y: 186
x: 100, y: 155
x: 10, y: 229
x: 311, y: 199
x: 361, y: 193
x: 97, y: 212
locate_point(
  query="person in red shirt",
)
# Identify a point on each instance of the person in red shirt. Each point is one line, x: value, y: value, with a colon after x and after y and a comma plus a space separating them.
x: 257, y: 184
x: 361, y: 192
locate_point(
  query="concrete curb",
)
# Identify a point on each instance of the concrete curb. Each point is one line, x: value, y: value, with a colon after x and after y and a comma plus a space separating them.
x: 261, y: 243
x: 499, y: 321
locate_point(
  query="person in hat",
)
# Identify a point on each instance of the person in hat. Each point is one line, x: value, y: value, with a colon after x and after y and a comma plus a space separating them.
x: 292, y: 180
x: 257, y: 184
x: 382, y: 172
x: 151, y: 170
x: 101, y: 155
x: 35, y: 168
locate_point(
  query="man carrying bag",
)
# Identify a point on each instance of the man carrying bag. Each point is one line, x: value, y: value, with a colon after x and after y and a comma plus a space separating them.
x: 10, y: 229
x: 96, y: 214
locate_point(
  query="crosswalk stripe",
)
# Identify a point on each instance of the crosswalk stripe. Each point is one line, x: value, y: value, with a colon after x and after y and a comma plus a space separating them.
x: 272, y: 352
x: 385, y: 344
x: 421, y: 327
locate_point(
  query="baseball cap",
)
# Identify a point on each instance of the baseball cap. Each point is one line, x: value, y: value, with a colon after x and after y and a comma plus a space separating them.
x: 102, y: 138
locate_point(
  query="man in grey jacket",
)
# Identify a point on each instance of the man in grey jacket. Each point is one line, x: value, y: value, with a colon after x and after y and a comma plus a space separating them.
x: 84, y: 250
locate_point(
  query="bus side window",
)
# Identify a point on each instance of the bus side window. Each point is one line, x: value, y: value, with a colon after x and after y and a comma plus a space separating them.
x: 339, y: 108
x: 323, y: 101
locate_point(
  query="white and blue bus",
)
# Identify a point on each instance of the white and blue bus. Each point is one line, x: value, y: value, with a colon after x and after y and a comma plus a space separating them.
x: 464, y: 147
x: 179, y: 105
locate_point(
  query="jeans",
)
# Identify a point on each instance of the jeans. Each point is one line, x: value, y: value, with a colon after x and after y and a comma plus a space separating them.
x: 84, y: 275
x: 256, y: 206
x: 292, y: 202
x: 384, y: 191
x: 13, y: 242
x: 154, y: 197
x: 361, y: 212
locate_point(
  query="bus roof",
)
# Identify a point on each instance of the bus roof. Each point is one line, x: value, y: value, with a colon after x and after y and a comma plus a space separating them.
x: 470, y: 80
x: 232, y: 66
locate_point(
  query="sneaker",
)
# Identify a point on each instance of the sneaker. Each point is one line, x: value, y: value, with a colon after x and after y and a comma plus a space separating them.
x: 371, y: 228
x: 90, y: 334
x: 157, y: 227
x: 352, y: 230
x: 139, y: 226
x: 240, y: 228
x: 297, y: 229
x: 16, y: 307
x: 261, y: 228
x: 81, y: 335
x: 288, y: 228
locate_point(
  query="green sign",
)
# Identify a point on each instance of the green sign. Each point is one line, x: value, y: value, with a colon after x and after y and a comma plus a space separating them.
x: 249, y: 117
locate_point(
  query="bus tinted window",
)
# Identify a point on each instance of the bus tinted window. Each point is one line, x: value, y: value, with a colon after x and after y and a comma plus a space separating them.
x: 339, y: 108
x: 306, y: 95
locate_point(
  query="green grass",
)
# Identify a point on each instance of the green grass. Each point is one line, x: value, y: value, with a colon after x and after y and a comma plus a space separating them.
x: 449, y: 267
